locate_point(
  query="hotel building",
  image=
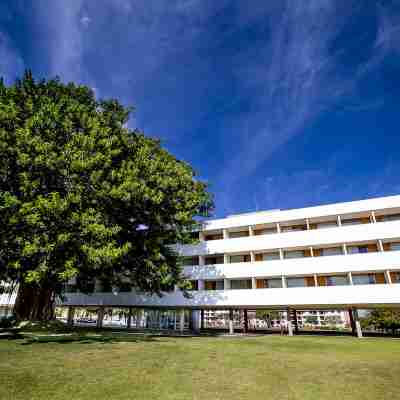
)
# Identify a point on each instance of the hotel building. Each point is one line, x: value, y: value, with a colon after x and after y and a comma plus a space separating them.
x: 343, y: 257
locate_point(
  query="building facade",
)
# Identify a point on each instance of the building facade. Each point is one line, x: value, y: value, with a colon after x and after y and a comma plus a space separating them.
x: 343, y: 256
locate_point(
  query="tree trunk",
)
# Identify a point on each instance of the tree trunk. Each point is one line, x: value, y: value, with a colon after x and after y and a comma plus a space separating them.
x: 34, y: 303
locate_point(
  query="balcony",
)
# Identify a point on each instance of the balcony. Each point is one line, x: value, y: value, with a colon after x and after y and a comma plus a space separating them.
x: 299, y: 266
x: 313, y: 237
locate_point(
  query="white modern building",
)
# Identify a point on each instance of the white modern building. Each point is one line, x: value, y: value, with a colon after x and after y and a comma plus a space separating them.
x: 343, y: 256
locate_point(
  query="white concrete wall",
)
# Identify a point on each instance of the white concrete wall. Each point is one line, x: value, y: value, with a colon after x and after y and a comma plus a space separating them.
x: 305, y: 297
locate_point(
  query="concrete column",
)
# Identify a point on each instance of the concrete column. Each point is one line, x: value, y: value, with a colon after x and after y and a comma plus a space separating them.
x: 251, y: 231
x: 289, y: 323
x: 231, y: 331
x: 225, y: 234
x: 195, y: 318
x: 315, y: 280
x: 351, y: 320
x: 201, y: 284
x: 202, y: 261
x: 312, y: 251
x: 182, y: 320
x: 252, y: 256
x: 284, y: 285
x: 278, y: 227
x: 143, y: 318
x: 70, y: 317
x: 227, y: 284
x: 129, y: 321
x: 339, y: 221
x: 201, y: 236
x: 281, y: 255
x: 100, y: 317
x: 344, y: 247
x: 357, y: 323
x: 253, y: 283
x: 388, y: 277
x: 350, y: 278
x: 296, y: 325
x: 226, y: 259
x: 380, y: 245
x: 246, y: 321
x: 373, y: 217
x: 308, y: 224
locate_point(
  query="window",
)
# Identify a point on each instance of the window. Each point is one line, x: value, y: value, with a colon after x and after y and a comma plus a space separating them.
x: 214, y: 285
x: 241, y: 284
x: 240, y: 234
x: 393, y: 217
x: 332, y: 251
x: 216, y: 236
x: 395, y: 246
x: 267, y: 256
x: 357, y: 249
x: 395, y: 277
x: 273, y: 283
x: 240, y: 258
x: 336, y: 280
x: 363, y: 279
x: 186, y: 261
x: 323, y: 225
x: 293, y: 228
x: 214, y: 260
x: 294, y: 254
x: 295, y: 282
x: 265, y: 231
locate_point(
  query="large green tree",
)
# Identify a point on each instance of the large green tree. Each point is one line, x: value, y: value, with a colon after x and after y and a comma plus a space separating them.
x: 84, y: 197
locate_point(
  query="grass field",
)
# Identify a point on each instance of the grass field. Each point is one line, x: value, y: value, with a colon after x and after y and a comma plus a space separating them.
x: 115, y: 366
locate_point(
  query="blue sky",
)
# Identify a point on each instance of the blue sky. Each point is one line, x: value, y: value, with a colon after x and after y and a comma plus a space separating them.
x: 277, y: 104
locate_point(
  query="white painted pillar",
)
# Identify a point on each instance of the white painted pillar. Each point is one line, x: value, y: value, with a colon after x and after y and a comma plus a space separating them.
x: 350, y: 278
x: 339, y: 220
x: 311, y: 251
x: 315, y: 280
x: 278, y: 227
x: 200, y: 284
x: 388, y: 277
x: 289, y: 322
x: 252, y: 256
x: 182, y: 320
x: 226, y: 259
x: 308, y: 224
x: 284, y: 285
x: 373, y: 217
x: 253, y: 283
x: 357, y: 323
x: 231, y: 331
x: 227, y: 284
x: 251, y: 231
x: 225, y: 234
x: 281, y: 255
x: 344, y: 249
x: 380, y: 245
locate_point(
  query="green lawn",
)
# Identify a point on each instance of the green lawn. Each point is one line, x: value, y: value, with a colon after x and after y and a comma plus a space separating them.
x: 268, y: 367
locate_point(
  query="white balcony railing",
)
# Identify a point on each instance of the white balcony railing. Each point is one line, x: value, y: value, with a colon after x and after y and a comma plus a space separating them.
x: 298, y: 266
x: 298, y: 239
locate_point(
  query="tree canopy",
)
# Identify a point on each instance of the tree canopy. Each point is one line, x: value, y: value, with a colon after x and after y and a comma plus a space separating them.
x: 83, y: 196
